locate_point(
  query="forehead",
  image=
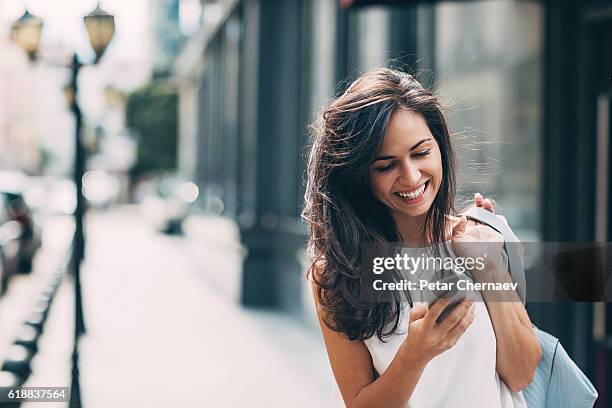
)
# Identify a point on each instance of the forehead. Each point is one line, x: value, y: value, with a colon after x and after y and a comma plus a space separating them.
x: 406, y: 128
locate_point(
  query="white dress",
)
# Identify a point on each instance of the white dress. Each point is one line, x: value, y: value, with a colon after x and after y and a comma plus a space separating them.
x: 462, y: 376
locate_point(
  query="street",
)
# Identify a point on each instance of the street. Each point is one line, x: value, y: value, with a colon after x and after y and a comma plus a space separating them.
x: 160, y: 333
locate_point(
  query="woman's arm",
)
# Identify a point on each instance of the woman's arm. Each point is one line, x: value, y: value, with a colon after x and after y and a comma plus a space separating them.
x: 518, y: 350
x: 352, y: 367
x: 352, y: 364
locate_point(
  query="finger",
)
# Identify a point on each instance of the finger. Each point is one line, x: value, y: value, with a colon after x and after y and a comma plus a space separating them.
x: 463, y: 324
x: 488, y: 205
x: 418, y: 312
x: 456, y: 315
x: 459, y: 228
x: 436, y: 309
x: 479, y: 200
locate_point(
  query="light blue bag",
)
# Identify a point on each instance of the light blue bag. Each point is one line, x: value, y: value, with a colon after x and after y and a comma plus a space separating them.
x: 558, y: 381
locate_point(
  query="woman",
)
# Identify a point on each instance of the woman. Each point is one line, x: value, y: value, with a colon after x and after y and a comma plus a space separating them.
x: 381, y: 169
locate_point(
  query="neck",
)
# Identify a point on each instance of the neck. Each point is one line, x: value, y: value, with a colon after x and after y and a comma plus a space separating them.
x: 410, y: 228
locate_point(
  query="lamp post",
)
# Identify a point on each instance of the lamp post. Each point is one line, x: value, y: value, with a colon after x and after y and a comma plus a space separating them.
x: 26, y: 32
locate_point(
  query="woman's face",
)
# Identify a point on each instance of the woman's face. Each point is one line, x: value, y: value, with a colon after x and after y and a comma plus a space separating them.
x: 406, y: 173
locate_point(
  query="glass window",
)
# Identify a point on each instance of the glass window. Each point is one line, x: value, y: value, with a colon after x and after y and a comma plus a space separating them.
x: 373, y: 36
x: 488, y: 58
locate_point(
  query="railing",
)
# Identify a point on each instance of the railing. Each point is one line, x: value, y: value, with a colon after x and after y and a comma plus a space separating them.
x: 17, y: 367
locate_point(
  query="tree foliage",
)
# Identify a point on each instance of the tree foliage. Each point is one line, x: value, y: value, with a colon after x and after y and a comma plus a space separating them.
x: 152, y: 112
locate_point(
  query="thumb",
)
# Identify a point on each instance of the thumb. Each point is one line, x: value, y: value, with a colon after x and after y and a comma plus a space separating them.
x: 459, y: 229
x: 417, y: 312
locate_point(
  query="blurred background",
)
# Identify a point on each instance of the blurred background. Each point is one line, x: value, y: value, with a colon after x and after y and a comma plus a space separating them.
x: 152, y: 166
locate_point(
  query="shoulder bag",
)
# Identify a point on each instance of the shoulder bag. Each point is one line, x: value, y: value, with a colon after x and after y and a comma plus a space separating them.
x: 558, y: 381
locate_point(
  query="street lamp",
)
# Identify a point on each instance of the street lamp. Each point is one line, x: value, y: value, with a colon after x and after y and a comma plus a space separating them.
x: 26, y: 32
x: 100, y: 27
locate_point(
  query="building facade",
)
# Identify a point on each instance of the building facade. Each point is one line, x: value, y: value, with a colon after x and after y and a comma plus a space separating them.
x: 531, y: 123
x: 167, y: 38
x: 18, y: 115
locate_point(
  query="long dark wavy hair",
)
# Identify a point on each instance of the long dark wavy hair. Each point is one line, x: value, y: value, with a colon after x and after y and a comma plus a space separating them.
x: 340, y: 210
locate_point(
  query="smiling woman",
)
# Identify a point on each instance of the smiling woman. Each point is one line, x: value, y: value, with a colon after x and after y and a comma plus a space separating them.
x: 382, y: 170
x: 407, y: 174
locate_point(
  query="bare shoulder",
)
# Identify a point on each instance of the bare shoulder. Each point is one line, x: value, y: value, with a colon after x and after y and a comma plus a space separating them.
x: 350, y: 360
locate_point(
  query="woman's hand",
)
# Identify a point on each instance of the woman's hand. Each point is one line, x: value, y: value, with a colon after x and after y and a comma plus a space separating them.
x: 518, y: 352
x: 426, y: 338
x: 485, y: 203
x: 477, y: 241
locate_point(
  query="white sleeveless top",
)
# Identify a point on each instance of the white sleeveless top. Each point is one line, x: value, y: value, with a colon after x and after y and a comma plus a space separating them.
x: 462, y: 376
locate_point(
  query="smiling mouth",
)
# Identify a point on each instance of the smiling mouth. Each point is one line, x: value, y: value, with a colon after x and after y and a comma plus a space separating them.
x: 415, y: 194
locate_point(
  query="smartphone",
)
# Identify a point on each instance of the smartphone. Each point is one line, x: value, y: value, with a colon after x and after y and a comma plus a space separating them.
x: 448, y: 309
x: 454, y: 294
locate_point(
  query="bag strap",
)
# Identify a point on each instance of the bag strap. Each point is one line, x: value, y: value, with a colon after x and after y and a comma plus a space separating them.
x: 511, y: 243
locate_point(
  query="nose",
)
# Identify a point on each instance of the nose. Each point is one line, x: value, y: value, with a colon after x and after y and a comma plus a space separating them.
x: 410, y: 174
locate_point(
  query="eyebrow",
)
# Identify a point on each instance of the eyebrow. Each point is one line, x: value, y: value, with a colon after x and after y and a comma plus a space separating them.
x: 392, y: 157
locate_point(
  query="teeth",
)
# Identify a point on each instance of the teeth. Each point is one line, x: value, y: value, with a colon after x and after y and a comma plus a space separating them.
x: 413, y: 195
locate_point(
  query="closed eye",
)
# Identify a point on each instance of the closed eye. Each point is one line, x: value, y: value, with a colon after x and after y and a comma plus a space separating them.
x: 391, y: 165
x: 385, y: 168
x: 422, y: 154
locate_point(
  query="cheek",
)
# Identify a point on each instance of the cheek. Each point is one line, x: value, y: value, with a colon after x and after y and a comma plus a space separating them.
x: 379, y: 185
x: 437, y: 170
x: 433, y: 168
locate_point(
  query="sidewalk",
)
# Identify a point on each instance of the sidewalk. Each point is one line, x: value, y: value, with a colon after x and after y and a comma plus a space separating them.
x: 24, y: 290
x: 161, y: 335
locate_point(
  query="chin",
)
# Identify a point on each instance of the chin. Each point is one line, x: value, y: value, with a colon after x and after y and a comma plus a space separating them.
x: 416, y: 212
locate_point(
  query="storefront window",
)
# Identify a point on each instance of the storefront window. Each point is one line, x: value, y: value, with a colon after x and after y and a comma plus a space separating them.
x: 488, y: 59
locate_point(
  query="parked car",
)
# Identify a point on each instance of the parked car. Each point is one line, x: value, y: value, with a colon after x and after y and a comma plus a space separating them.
x: 167, y: 201
x: 50, y: 195
x: 29, y: 235
x: 3, y: 275
x: 20, y: 236
x: 10, y: 233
